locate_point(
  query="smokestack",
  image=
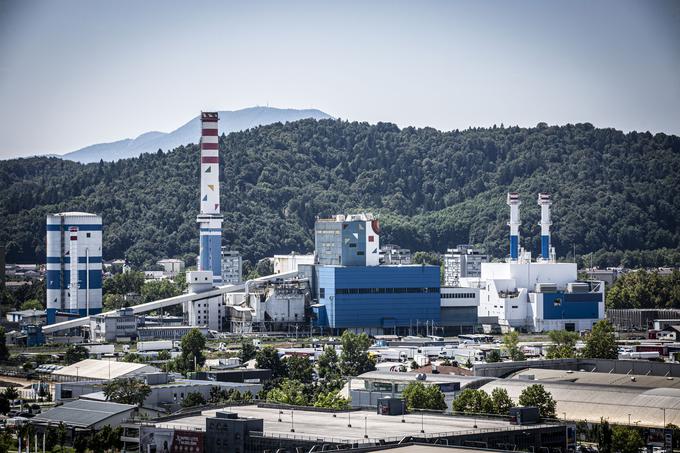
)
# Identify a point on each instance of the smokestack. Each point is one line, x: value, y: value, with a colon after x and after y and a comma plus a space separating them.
x: 544, y: 202
x: 513, y: 202
x: 73, y: 269
x: 210, y: 219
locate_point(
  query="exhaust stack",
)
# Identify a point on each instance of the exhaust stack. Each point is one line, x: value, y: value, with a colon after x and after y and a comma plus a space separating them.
x: 513, y: 202
x: 210, y: 219
x: 544, y: 202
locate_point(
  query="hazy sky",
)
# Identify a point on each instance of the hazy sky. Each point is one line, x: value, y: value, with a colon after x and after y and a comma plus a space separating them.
x: 74, y: 73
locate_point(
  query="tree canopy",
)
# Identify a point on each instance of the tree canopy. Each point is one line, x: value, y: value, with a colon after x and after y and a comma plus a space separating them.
x: 432, y: 190
x: 536, y: 395
x: 601, y: 342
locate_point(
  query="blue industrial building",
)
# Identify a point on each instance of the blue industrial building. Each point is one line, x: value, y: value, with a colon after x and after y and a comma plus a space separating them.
x: 376, y: 299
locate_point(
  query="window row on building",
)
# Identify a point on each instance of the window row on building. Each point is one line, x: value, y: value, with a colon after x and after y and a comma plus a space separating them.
x: 383, y: 290
x: 458, y: 295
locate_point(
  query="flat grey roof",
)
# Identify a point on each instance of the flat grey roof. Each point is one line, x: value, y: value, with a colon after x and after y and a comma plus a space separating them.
x: 324, y: 425
x: 82, y: 413
x: 430, y: 378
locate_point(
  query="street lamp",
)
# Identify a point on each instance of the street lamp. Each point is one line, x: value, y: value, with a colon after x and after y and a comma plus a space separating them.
x: 422, y: 423
x: 77, y: 375
x: 403, y: 406
x: 365, y: 427
x: 280, y: 414
x: 349, y: 418
x: 292, y: 424
x: 628, y: 419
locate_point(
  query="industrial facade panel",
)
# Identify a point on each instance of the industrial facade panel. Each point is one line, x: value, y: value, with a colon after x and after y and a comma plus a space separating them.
x: 571, y: 306
x: 375, y: 309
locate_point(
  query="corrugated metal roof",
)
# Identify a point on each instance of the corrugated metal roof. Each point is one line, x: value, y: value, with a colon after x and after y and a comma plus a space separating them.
x: 592, y: 402
x: 82, y: 413
x: 104, y: 369
x: 585, y: 377
x: 430, y: 378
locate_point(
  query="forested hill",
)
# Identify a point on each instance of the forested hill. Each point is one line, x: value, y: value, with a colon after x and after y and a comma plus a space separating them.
x: 612, y: 192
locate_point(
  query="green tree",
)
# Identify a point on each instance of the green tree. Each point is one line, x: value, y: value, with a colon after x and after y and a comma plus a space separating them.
x: 501, y: 401
x: 331, y: 400
x: 126, y: 391
x: 112, y: 302
x: 299, y: 368
x: 193, y: 399
x: 626, y: 439
x: 493, y: 356
x: 430, y: 258
x: 604, y: 437
x: 159, y: 289
x: 163, y: 355
x: 193, y: 344
x: 75, y: 353
x: 124, y: 283
x: 288, y: 392
x: 511, y: 344
x: 268, y: 358
x: 601, y: 342
x: 328, y: 364
x: 420, y: 396
x: 11, y: 393
x: 248, y: 350
x: 536, y: 395
x: 4, y: 352
x: 354, y: 359
x: 4, y: 404
x: 473, y: 401
x: 32, y: 304
x: 564, y: 344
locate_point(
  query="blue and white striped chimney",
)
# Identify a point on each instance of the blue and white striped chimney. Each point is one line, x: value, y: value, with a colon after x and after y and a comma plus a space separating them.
x: 513, y: 202
x: 544, y: 202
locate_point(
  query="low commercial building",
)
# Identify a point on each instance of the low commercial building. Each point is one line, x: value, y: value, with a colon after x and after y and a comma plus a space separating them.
x: 34, y: 317
x: 121, y: 326
x: 82, y: 415
x: 366, y: 389
x: 91, y: 369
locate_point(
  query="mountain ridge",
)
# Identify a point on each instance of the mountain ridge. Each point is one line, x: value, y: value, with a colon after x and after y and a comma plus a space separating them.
x: 152, y: 141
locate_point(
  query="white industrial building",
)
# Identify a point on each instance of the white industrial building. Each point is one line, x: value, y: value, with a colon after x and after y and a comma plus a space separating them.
x: 74, y: 264
x: 290, y: 262
x: 171, y: 266
x: 537, y: 295
x: 121, y: 326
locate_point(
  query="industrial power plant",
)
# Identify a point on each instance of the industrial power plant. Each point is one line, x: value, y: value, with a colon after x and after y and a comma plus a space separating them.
x: 345, y: 285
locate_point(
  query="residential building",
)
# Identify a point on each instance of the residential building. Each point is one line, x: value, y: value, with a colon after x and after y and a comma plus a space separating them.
x: 392, y: 254
x: 463, y: 262
x: 232, y: 267
x: 171, y: 266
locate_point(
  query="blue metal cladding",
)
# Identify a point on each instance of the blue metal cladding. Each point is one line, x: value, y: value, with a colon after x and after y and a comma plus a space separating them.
x: 67, y: 259
x: 81, y: 227
x: 562, y: 305
x: 514, y: 247
x: 54, y: 278
x: 545, y: 247
x: 210, y: 258
x: 379, y: 310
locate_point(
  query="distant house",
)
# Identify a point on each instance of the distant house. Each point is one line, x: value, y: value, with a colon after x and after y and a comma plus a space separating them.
x: 671, y: 333
x: 37, y: 317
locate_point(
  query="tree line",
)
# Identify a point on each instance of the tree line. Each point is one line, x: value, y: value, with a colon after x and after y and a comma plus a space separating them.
x: 614, y: 192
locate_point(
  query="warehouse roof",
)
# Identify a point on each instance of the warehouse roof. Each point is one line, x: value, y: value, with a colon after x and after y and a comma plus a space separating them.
x: 389, y: 376
x: 649, y: 407
x: 585, y: 377
x: 104, y: 369
x: 82, y: 413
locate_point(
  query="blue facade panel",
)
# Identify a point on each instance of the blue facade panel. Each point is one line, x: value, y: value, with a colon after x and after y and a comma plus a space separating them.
x: 562, y: 305
x: 67, y: 259
x: 86, y: 227
x: 545, y: 247
x: 514, y: 247
x: 370, y: 297
x: 354, y: 243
